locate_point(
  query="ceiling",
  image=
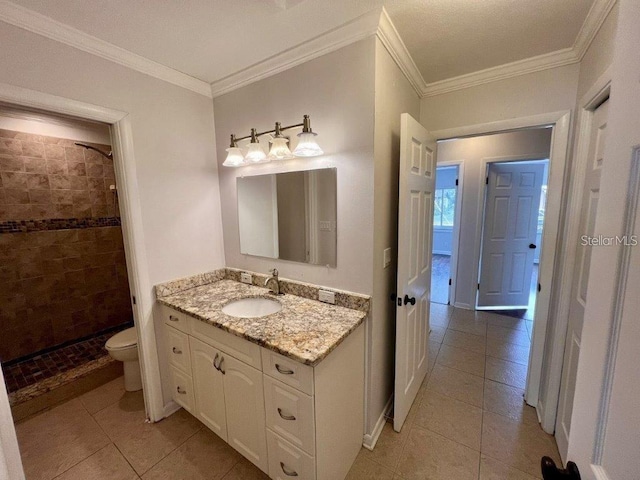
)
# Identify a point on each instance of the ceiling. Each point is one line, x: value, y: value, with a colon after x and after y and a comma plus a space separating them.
x: 213, y: 39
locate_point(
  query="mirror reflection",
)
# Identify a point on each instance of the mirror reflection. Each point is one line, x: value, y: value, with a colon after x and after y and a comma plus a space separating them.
x: 289, y: 216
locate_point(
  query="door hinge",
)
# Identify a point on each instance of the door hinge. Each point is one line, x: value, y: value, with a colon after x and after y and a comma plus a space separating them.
x: 456, y: 182
x: 539, y: 287
x: 449, y: 281
x: 133, y: 298
x: 486, y: 181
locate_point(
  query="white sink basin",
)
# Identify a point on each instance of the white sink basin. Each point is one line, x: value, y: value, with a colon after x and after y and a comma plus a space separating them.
x: 252, y: 307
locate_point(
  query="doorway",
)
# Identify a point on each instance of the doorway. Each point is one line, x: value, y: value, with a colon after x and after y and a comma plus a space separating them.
x: 445, y: 221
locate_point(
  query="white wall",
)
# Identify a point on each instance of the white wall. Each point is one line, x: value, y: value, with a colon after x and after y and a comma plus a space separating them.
x: 473, y: 153
x: 547, y: 91
x: 393, y: 96
x: 174, y: 146
x: 336, y: 90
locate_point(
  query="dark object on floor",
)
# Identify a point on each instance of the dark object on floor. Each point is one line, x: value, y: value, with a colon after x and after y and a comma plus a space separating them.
x: 551, y: 472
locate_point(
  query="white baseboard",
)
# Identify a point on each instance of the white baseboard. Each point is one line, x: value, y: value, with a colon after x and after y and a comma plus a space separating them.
x: 465, y: 306
x: 370, y: 439
x: 170, y: 408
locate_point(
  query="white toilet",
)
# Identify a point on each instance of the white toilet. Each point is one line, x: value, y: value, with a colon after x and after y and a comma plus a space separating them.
x: 123, y: 346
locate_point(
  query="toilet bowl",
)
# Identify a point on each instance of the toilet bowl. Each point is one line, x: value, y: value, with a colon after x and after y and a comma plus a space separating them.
x: 123, y: 346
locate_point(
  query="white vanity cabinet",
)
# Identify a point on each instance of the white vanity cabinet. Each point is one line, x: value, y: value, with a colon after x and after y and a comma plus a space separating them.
x: 289, y: 419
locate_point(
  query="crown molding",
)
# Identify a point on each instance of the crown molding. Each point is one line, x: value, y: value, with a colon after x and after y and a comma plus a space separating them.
x: 392, y: 41
x: 47, y: 27
x: 351, y: 32
x: 592, y: 23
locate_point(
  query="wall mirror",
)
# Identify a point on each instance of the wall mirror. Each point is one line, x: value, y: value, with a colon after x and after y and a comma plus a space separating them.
x: 290, y: 216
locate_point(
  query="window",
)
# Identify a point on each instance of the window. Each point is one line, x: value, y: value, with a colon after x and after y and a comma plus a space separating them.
x: 445, y: 207
x: 543, y: 205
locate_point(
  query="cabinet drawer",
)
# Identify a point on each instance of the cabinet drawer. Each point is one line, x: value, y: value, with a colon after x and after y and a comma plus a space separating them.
x: 175, y: 319
x: 289, y: 371
x: 179, y: 355
x: 287, y: 462
x: 237, y: 347
x: 290, y: 414
x: 182, y: 389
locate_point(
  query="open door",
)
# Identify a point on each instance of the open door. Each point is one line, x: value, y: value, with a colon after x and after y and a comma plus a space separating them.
x: 509, y: 234
x: 415, y: 230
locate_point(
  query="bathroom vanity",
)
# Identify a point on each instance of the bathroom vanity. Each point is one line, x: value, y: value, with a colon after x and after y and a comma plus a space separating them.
x: 286, y: 390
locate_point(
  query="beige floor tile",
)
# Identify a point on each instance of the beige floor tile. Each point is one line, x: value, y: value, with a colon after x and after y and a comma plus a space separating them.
x: 461, y: 359
x: 429, y: 456
x: 203, y: 457
x: 434, y: 349
x: 516, y: 444
x: 504, y: 321
x: 456, y: 384
x: 510, y: 373
x: 491, y: 469
x: 366, y: 469
x: 56, y: 440
x: 508, y: 401
x: 439, y: 315
x: 103, y: 396
x: 467, y: 321
x: 144, y: 444
x: 106, y: 463
x: 464, y: 340
x: 519, y: 337
x: 389, y: 446
x: 456, y: 420
x: 436, y: 334
x: 245, y: 470
x: 507, y: 351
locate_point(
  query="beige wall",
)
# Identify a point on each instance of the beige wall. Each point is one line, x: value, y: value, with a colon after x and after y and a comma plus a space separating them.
x: 173, y: 141
x: 393, y: 96
x: 336, y: 90
x: 547, y: 91
x: 473, y: 153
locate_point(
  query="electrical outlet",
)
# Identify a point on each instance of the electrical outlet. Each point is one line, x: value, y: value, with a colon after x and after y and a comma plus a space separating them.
x: 327, y: 296
x: 386, y: 258
x: 246, y: 278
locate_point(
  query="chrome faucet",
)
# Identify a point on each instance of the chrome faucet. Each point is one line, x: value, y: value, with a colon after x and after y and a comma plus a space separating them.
x: 276, y: 284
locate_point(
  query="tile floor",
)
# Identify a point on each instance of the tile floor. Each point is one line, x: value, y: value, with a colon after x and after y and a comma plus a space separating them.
x: 468, y: 422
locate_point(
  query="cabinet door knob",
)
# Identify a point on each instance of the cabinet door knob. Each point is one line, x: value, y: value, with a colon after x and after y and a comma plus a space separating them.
x: 181, y: 391
x: 174, y: 319
x: 285, y: 417
x: 287, y: 472
x: 284, y: 371
x: 177, y: 351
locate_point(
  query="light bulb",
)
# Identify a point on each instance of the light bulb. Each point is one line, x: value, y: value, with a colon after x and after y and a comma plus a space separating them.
x: 307, y: 145
x: 279, y: 149
x: 234, y: 157
x: 255, y: 154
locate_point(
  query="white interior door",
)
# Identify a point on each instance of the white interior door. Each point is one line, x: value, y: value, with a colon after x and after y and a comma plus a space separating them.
x: 415, y: 230
x: 509, y: 234
x: 588, y: 211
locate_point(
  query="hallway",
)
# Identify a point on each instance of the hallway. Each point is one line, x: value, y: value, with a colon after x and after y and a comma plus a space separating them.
x: 469, y: 421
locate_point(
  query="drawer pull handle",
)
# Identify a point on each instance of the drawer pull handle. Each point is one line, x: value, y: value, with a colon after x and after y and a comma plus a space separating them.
x: 181, y: 391
x: 220, y: 365
x: 174, y: 319
x: 284, y: 371
x: 287, y: 472
x: 177, y: 351
x: 215, y: 365
x: 285, y: 417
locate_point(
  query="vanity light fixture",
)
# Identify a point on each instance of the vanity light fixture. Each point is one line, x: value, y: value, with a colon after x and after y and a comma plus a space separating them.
x: 307, y: 146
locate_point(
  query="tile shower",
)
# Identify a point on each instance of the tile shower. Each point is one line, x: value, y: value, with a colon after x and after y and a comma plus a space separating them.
x: 63, y: 278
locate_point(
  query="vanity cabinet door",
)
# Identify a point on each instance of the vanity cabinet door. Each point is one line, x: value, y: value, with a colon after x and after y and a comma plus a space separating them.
x: 209, y: 387
x: 243, y: 392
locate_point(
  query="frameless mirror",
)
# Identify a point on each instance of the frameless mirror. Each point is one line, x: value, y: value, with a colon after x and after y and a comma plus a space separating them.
x: 289, y: 216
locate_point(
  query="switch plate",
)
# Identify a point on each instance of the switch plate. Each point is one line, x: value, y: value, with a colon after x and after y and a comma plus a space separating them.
x: 327, y: 296
x: 246, y: 278
x: 386, y: 258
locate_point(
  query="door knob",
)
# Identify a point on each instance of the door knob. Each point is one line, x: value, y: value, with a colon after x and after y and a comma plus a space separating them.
x: 410, y: 300
x: 532, y: 245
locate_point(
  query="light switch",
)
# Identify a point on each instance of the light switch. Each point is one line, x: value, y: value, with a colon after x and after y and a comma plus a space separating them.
x: 386, y: 258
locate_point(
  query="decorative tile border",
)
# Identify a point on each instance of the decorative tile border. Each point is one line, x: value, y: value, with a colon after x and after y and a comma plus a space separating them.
x: 354, y: 301
x: 25, y: 226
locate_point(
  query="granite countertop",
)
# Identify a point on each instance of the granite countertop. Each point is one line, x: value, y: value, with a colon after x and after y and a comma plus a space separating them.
x: 304, y: 330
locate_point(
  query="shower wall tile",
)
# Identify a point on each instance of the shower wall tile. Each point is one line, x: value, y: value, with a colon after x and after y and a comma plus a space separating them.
x: 46, y: 177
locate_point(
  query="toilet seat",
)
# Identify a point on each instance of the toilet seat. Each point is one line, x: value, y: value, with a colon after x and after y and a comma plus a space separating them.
x: 125, y: 339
